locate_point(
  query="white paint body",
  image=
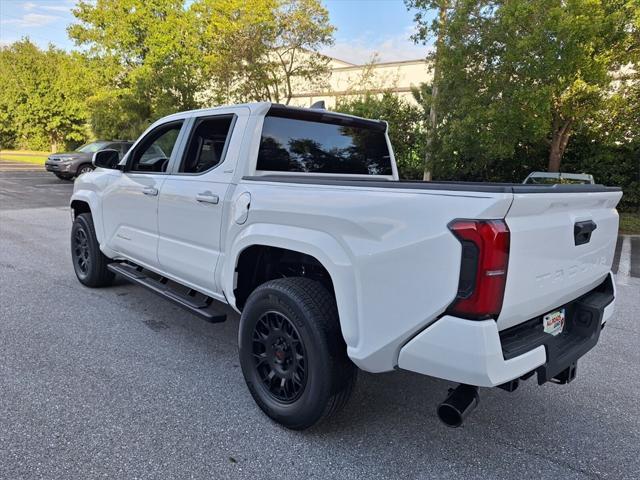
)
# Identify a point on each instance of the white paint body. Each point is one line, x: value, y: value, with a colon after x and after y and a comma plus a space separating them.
x: 393, y: 262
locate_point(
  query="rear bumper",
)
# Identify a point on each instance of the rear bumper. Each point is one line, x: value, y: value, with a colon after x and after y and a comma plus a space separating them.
x: 476, y: 353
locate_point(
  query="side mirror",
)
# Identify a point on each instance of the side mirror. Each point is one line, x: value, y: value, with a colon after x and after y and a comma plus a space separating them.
x: 106, y: 159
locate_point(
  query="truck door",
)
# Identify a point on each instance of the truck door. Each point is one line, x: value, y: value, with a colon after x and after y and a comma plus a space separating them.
x: 192, y: 200
x: 130, y: 203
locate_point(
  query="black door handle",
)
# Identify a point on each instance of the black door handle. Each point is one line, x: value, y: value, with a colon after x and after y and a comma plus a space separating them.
x: 582, y: 231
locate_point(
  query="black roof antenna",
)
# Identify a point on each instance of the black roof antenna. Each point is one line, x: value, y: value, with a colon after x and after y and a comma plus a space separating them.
x: 319, y: 105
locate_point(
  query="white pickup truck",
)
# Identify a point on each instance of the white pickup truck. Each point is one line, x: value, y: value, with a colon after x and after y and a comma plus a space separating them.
x: 296, y: 218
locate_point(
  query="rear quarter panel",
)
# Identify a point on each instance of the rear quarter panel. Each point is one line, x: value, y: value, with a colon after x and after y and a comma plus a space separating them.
x: 394, y: 264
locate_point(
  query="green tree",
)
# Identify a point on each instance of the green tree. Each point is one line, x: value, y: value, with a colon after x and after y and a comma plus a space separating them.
x: 607, y: 144
x: 163, y: 56
x: 406, y: 130
x: 618, y: 120
x: 427, y: 94
x: 42, y: 99
x: 149, y: 56
x: 302, y: 28
x: 261, y: 50
x: 515, y: 73
x: 232, y: 42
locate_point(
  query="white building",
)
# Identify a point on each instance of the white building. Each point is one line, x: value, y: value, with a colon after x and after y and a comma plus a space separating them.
x: 348, y: 80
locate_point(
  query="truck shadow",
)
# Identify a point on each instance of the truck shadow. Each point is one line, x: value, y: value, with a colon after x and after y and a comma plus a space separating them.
x: 404, y: 400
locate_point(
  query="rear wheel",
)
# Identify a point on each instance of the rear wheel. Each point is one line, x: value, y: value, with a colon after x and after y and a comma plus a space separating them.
x: 89, y: 262
x: 292, y: 352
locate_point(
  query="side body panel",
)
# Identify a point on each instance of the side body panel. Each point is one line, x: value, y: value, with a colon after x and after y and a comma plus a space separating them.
x: 393, y: 262
x: 129, y: 204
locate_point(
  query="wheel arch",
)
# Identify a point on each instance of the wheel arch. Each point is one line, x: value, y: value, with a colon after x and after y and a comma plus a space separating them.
x: 83, y: 201
x: 258, y: 264
x: 314, y: 246
x: 79, y: 206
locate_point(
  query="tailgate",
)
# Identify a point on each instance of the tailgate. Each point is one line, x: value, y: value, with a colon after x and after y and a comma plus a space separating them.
x: 553, y: 259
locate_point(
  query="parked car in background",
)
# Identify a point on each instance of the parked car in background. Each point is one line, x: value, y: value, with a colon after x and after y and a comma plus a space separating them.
x: 549, y: 178
x: 72, y: 164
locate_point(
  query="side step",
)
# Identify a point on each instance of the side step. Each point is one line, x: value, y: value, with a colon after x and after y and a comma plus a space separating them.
x: 189, y: 299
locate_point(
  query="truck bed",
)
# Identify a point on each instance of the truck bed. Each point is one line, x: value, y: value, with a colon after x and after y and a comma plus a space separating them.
x: 489, y: 187
x: 548, y: 266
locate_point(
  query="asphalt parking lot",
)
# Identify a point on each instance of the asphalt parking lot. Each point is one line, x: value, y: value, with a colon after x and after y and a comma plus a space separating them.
x: 117, y: 383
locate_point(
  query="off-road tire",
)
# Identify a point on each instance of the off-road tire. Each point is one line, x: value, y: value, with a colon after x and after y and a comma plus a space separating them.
x: 89, y: 263
x: 329, y: 376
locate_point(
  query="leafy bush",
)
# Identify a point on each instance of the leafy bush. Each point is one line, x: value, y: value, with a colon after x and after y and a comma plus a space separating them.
x: 615, y: 165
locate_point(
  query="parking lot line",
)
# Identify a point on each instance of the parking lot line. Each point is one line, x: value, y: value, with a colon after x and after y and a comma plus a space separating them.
x: 4, y: 169
x: 624, y: 265
x: 27, y: 167
x: 634, y: 269
x: 47, y: 185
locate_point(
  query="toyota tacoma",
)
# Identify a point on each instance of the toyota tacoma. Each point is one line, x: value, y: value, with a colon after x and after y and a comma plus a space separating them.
x: 297, y: 219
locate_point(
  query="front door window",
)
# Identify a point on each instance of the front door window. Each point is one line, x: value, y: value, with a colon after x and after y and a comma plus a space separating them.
x: 154, y: 152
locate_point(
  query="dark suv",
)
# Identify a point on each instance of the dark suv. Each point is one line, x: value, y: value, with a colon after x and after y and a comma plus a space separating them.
x: 71, y: 164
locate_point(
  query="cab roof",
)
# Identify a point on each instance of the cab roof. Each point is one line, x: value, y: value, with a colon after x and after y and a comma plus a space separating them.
x: 278, y: 109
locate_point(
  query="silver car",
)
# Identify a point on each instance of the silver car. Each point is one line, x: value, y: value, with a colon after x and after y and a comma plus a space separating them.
x: 72, y: 164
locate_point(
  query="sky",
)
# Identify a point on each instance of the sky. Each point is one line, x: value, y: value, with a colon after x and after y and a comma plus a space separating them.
x: 364, y: 27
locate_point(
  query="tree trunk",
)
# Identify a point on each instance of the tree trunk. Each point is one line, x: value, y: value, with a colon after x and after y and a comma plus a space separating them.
x: 433, y: 117
x: 559, y: 141
x: 433, y: 120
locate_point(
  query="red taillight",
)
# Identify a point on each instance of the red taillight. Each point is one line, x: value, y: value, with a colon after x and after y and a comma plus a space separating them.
x: 483, y: 271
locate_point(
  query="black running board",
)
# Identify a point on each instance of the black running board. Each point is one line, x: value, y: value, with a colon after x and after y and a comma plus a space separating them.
x: 191, y: 300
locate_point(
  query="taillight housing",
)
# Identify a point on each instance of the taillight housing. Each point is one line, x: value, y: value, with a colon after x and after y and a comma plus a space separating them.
x: 483, y: 268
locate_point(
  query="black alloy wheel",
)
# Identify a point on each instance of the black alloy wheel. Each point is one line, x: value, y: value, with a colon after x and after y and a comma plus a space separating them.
x: 89, y: 263
x: 279, y: 356
x: 292, y: 353
x: 81, y: 254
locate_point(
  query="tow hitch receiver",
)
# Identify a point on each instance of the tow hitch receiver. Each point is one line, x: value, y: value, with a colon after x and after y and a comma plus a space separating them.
x: 567, y: 375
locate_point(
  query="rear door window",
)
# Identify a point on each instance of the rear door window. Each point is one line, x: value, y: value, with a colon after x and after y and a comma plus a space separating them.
x: 207, y: 144
x: 328, y: 144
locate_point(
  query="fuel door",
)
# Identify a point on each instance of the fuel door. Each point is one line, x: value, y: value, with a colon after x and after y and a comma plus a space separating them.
x: 241, y: 208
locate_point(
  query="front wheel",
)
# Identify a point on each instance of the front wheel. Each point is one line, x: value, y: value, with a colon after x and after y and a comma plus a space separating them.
x: 89, y: 263
x: 293, y: 357
x: 84, y: 168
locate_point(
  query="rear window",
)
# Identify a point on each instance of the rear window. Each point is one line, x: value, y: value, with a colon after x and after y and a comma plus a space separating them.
x: 324, y: 146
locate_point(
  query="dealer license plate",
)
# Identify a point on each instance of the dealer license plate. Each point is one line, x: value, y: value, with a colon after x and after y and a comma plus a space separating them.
x: 553, y: 323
